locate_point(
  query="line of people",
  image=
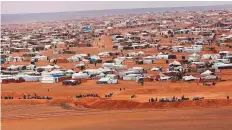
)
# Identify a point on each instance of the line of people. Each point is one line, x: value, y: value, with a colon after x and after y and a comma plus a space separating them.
x: 87, y: 95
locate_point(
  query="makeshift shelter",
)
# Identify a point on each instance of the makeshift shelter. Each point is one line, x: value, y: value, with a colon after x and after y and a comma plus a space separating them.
x: 175, y: 63
x: 206, y: 73
x: 30, y: 78
x: 48, y: 78
x: 156, y: 68
x: 210, y: 56
x: 13, y: 67
x: 136, y: 69
x: 189, y: 78
x: 164, y: 77
x: 57, y: 73
x: 104, y: 54
x: 87, y: 29
x: 80, y: 75
x: 94, y: 58
x: 222, y: 66
x: 2, y: 61
x: 107, y: 80
x: 194, y: 57
x: 14, y: 59
x: 30, y: 67
x: 131, y: 76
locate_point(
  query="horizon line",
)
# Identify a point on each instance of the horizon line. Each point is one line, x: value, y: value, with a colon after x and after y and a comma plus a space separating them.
x: 116, y: 9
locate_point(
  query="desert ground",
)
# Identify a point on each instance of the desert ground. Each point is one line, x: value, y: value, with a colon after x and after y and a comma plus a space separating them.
x: 65, y: 112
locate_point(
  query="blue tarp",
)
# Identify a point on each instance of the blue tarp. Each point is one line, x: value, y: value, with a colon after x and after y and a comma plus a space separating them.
x: 2, y: 61
x: 87, y: 29
x: 56, y: 75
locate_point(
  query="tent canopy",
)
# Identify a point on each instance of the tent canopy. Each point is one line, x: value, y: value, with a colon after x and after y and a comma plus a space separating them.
x: 175, y: 63
x: 207, y: 72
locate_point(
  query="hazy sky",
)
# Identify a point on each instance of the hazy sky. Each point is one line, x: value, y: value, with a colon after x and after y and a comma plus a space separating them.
x: 11, y: 7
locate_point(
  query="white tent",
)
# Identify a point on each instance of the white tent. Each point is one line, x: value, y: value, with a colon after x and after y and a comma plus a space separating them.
x: 188, y: 78
x: 12, y: 67
x: 30, y: 67
x: 95, y: 57
x: 48, y: 79
x: 131, y: 76
x: 165, y: 78
x: 212, y: 56
x: 118, y: 61
x: 206, y: 73
x: 110, y: 65
x: 31, y: 78
x: 80, y: 75
x: 57, y: 72
x: 176, y: 63
x: 101, y: 75
x: 79, y: 65
x: 194, y: 57
x: 137, y: 69
x: 70, y: 71
x: 155, y: 69
x: 108, y: 80
x: 103, y: 54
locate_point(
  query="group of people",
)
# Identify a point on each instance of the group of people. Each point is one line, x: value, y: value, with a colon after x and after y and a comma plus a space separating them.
x: 87, y: 95
x: 152, y: 99
x: 28, y: 96
x: 122, y: 89
x: 7, y: 97
x: 109, y: 95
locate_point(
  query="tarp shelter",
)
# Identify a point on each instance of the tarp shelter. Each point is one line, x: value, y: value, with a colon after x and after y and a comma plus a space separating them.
x: 156, y: 69
x: 13, y: 67
x: 2, y: 61
x: 109, y: 65
x: 104, y: 54
x: 108, y: 80
x: 112, y: 76
x: 80, y: 75
x: 94, y: 58
x: 39, y: 57
x: 49, y: 67
x: 210, y: 56
x: 118, y: 60
x: 30, y: 78
x: 49, y: 79
x: 189, y: 78
x: 175, y: 63
x: 222, y: 66
x: 131, y: 76
x: 57, y: 73
x: 30, y: 67
x: 100, y: 75
x: 194, y: 57
x: 87, y: 29
x: 137, y: 69
x: 206, y: 73
x: 165, y: 78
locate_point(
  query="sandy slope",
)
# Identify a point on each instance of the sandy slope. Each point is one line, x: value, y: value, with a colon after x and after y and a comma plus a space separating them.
x: 39, y: 117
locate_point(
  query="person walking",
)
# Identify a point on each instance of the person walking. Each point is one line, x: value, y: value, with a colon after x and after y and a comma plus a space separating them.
x: 142, y: 82
x: 95, y: 63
